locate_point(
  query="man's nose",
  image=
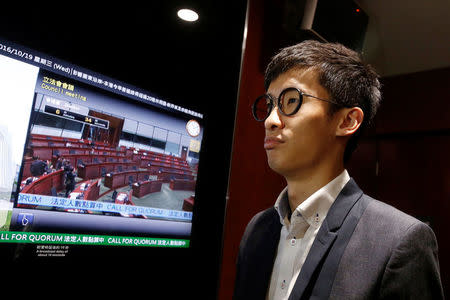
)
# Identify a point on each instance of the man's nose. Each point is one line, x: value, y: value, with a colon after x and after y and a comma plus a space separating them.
x: 273, y: 120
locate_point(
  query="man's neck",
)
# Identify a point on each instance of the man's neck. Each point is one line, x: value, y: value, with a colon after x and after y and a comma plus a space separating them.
x: 304, y: 184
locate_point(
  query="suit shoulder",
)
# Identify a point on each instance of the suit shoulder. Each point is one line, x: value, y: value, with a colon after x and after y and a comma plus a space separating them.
x: 387, y: 251
x: 384, y: 216
x: 264, y: 216
x: 263, y: 221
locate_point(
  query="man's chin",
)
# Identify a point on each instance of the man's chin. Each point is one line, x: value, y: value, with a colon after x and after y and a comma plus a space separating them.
x: 283, y: 165
x: 277, y: 165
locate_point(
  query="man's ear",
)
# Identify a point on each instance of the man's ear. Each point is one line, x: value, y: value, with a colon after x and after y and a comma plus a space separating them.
x: 349, y: 122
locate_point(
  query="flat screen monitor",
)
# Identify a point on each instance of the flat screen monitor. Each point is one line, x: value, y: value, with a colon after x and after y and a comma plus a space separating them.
x: 89, y: 162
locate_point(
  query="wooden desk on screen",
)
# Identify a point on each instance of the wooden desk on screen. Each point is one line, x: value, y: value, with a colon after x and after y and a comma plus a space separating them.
x: 91, y: 158
x: 188, y: 204
x: 46, y: 152
x: 144, y: 188
x: 90, y: 171
x: 148, y: 162
x: 91, y: 192
x: 182, y: 184
x: 156, y: 167
x: 45, y: 183
x: 166, y: 176
x: 120, y: 179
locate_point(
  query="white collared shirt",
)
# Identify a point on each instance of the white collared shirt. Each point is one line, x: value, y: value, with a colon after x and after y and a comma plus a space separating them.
x: 298, y: 234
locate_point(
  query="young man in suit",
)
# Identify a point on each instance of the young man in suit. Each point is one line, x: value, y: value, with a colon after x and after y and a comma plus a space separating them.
x: 324, y: 238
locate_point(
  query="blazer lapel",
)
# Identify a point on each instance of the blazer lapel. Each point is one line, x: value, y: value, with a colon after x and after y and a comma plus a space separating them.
x: 319, y: 250
x: 259, y: 258
x: 268, y: 250
x: 325, y: 239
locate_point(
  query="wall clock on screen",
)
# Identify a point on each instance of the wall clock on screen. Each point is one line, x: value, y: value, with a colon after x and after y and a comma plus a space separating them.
x: 193, y: 128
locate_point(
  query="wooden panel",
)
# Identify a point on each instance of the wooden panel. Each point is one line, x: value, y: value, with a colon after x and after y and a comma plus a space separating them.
x: 415, y: 102
x: 363, y: 166
x: 252, y: 186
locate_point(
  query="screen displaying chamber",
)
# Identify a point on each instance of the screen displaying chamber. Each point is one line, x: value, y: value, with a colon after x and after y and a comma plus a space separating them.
x: 88, y: 160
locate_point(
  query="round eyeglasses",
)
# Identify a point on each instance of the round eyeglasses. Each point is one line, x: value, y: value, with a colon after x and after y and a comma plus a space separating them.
x: 289, y: 102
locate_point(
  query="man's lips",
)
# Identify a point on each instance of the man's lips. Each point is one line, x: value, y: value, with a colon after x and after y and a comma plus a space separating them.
x: 272, y: 142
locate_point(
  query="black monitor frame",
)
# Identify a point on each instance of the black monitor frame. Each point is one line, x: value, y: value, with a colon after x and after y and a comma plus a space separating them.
x: 203, y: 257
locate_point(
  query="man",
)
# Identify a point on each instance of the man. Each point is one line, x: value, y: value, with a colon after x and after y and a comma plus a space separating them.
x: 38, y: 167
x: 324, y: 238
x: 59, y: 162
x: 69, y: 179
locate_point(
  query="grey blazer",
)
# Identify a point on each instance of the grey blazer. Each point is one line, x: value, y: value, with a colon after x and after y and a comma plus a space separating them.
x: 365, y: 249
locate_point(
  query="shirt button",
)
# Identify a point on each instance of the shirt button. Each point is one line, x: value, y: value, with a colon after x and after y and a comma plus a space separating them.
x: 293, y: 242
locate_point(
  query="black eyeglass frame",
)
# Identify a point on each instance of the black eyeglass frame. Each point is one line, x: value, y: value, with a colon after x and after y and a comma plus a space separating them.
x: 279, y: 105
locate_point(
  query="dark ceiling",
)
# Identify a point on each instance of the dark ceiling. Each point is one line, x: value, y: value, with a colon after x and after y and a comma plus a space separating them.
x: 143, y: 44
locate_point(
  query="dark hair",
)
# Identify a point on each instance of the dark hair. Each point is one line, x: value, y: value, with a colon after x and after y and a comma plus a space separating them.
x: 341, y: 71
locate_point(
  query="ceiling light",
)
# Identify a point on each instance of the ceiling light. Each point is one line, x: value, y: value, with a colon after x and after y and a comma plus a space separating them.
x: 187, y: 15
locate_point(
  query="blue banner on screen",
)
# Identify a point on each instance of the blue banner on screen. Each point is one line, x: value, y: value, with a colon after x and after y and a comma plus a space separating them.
x: 67, y: 203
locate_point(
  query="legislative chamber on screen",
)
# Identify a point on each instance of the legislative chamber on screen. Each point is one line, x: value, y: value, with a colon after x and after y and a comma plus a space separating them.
x: 105, y: 169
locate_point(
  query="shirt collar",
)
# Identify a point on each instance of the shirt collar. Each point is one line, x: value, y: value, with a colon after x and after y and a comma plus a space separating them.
x: 282, y: 204
x: 315, y: 208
